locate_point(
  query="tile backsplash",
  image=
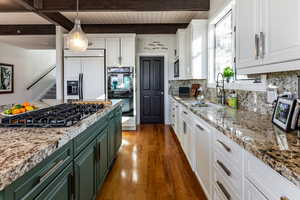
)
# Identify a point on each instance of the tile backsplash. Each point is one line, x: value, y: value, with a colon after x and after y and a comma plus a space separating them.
x: 250, y: 100
x: 175, y: 84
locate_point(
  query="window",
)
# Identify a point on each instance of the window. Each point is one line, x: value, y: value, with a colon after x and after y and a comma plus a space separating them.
x: 223, y: 44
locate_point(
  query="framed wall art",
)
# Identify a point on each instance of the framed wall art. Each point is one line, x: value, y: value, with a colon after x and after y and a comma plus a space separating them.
x: 6, y: 78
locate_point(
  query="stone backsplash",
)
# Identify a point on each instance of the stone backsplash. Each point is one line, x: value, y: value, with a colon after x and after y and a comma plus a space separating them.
x: 175, y: 84
x: 250, y: 100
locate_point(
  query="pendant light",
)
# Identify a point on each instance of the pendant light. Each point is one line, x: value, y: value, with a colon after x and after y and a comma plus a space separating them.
x: 77, y: 40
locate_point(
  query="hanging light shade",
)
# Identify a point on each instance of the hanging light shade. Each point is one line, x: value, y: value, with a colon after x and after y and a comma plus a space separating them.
x: 77, y: 40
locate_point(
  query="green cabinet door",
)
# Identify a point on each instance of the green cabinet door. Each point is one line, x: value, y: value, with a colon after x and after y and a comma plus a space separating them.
x: 60, y: 188
x: 118, y: 124
x: 84, y: 172
x: 102, y: 158
x: 111, y: 141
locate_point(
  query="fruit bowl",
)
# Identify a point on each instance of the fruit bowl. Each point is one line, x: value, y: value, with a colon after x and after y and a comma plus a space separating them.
x: 19, y: 109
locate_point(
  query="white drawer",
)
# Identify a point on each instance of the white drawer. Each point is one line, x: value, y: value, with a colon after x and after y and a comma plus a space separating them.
x: 230, y: 172
x: 223, y: 188
x: 269, y: 182
x: 232, y: 151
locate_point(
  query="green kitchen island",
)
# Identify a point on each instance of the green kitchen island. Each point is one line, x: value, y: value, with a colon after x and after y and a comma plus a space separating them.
x: 68, y: 163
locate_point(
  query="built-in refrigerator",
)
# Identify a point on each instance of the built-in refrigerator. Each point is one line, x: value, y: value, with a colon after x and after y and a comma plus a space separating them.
x: 84, y: 75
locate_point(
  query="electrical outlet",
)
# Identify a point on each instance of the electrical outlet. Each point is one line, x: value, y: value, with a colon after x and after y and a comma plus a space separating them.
x: 271, y: 95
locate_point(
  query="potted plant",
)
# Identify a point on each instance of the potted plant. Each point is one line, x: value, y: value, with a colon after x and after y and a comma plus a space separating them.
x: 228, y: 73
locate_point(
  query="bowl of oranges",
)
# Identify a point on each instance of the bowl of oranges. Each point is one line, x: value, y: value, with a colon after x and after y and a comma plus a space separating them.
x: 19, y: 109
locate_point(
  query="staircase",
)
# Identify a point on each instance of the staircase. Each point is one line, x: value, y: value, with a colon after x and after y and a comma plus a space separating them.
x: 51, y: 93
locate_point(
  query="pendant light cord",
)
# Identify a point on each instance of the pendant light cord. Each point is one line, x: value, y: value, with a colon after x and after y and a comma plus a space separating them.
x: 77, y: 6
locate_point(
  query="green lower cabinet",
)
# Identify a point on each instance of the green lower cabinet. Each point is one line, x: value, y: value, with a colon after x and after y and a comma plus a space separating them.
x: 118, y: 124
x: 84, y: 172
x: 101, y: 158
x: 61, y: 188
x: 111, y: 141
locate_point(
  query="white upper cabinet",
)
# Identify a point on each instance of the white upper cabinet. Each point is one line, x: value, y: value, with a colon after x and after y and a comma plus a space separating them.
x: 198, y: 49
x: 281, y: 29
x: 248, y: 27
x: 268, y: 36
x: 192, y: 50
x: 181, y: 51
x: 113, y: 55
x: 120, y: 52
x: 128, y: 51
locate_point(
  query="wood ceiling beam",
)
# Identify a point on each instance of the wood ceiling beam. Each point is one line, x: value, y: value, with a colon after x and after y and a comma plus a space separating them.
x: 126, y: 5
x: 53, y: 17
x: 32, y: 29
x: 39, y: 29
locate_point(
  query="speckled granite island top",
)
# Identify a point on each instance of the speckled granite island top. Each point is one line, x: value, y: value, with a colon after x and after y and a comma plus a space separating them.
x: 256, y: 134
x: 21, y: 149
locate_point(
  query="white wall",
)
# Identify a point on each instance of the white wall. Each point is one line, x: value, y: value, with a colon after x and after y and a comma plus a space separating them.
x: 29, y: 65
x: 167, y: 51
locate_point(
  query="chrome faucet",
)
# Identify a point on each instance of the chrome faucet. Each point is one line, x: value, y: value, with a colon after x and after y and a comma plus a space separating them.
x: 220, y: 89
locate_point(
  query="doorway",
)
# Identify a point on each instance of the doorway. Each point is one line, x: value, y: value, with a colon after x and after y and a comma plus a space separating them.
x: 152, y: 90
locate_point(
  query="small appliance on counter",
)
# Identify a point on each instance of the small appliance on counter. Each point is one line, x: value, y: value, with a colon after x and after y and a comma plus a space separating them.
x: 195, y: 90
x: 184, y: 92
x: 286, y: 113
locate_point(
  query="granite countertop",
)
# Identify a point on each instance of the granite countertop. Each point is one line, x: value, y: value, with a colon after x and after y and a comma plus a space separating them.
x: 256, y: 134
x: 21, y: 149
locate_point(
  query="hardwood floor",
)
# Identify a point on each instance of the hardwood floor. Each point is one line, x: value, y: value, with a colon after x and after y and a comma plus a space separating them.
x: 151, y: 166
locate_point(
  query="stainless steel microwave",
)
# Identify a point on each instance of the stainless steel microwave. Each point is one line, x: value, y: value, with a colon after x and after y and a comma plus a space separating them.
x: 176, y: 68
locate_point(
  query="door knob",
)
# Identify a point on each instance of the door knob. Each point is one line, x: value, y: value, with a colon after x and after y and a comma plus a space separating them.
x: 162, y: 93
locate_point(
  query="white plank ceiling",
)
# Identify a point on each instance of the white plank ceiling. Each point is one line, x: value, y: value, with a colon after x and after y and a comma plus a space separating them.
x: 21, y: 18
x: 136, y: 17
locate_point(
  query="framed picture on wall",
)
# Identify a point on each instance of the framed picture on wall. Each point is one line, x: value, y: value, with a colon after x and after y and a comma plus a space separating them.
x: 6, y: 78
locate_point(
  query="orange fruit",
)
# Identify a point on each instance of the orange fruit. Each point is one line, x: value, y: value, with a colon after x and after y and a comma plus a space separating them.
x: 15, y: 111
x: 26, y: 104
x: 22, y: 110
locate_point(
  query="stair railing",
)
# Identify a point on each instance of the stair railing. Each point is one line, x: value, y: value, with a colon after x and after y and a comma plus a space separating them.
x: 41, y: 77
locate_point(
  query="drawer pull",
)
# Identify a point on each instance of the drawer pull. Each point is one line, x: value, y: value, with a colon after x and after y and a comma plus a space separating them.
x: 51, y: 171
x: 225, y: 146
x: 225, y: 169
x: 223, y: 189
x: 284, y: 198
x: 200, y: 127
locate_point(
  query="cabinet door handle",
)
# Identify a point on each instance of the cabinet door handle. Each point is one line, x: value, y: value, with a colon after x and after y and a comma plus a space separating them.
x: 185, y: 112
x: 72, y: 177
x: 225, y: 169
x: 256, y: 46
x: 51, y: 171
x: 200, y: 127
x: 225, y: 146
x: 262, y: 44
x: 223, y: 189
